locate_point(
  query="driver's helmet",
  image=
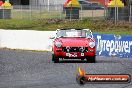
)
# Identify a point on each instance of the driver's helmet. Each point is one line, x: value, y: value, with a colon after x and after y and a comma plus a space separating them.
x: 79, y: 33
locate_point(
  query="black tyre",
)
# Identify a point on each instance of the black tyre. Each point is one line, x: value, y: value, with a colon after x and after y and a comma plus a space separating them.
x: 82, y: 59
x: 91, y: 59
x: 52, y: 57
x: 55, y: 58
x: 81, y: 80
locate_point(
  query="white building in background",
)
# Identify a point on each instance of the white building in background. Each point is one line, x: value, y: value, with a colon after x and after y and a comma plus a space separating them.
x: 46, y: 2
x: 36, y: 2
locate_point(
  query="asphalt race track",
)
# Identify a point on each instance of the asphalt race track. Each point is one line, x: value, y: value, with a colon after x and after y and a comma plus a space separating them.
x: 28, y: 69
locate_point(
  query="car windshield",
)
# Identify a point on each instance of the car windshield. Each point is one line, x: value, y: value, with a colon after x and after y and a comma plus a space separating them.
x: 74, y: 33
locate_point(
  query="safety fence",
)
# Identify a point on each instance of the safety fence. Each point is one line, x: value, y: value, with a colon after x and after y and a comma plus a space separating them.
x: 107, y: 44
x: 94, y: 12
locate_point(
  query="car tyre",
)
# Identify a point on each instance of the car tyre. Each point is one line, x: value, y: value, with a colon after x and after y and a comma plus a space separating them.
x: 81, y: 80
x: 82, y: 59
x: 55, y: 58
x: 91, y: 59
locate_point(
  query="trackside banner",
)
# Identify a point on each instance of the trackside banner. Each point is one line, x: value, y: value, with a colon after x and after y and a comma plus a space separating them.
x: 114, y: 45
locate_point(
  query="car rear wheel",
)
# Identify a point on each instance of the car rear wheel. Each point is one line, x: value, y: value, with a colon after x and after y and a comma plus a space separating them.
x: 55, y: 58
x: 91, y: 59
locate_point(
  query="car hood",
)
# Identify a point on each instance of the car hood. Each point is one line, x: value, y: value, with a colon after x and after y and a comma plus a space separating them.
x: 75, y: 41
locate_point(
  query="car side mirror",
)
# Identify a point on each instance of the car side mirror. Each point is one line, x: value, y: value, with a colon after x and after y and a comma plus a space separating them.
x: 52, y: 37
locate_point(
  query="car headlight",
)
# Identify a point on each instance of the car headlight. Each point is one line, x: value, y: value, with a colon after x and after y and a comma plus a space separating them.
x: 58, y: 44
x: 92, y: 44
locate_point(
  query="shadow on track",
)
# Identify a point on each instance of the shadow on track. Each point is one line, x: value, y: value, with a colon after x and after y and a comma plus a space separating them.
x: 97, y: 61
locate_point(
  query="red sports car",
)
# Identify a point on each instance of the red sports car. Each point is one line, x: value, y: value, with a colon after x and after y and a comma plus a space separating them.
x: 74, y: 44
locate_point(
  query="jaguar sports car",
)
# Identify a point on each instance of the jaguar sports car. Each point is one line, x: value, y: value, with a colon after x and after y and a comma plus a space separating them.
x: 74, y: 44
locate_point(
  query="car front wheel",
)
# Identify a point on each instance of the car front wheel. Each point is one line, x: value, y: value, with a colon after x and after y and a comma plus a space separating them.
x: 91, y: 59
x: 55, y: 58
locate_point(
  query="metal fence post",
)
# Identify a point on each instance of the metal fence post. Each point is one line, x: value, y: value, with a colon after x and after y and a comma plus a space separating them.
x: 115, y: 15
x: 30, y: 6
x: 81, y: 11
x: 92, y: 13
x: 70, y: 12
x: 104, y: 13
x: 3, y: 13
x: 48, y: 5
x: 21, y: 11
x: 61, y: 11
x: 107, y: 12
x: 130, y: 17
x: 40, y: 11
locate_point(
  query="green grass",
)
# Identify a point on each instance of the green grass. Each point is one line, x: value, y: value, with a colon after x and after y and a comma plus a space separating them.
x: 100, y: 26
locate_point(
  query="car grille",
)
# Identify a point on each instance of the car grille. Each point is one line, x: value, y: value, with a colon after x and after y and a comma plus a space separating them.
x: 75, y: 49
